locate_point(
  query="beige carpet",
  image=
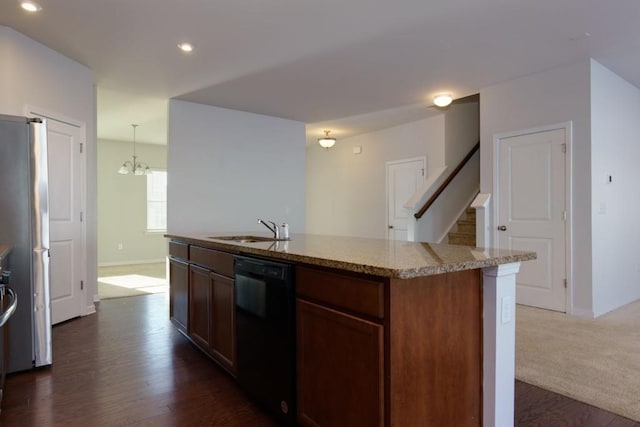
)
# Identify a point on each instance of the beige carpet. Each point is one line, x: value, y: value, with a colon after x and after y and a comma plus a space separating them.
x: 131, y: 280
x: 593, y: 361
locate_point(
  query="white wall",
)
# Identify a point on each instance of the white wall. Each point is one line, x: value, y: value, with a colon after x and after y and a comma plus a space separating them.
x: 447, y: 208
x: 228, y: 168
x: 122, y: 208
x: 5, y: 44
x: 34, y: 75
x: 615, y: 149
x: 550, y: 97
x: 346, y: 192
x: 461, y: 130
x: 461, y: 134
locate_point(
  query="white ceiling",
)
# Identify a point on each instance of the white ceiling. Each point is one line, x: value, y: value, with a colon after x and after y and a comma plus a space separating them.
x: 351, y: 66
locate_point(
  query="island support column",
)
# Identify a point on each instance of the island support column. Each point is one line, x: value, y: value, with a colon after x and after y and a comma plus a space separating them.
x: 499, y: 339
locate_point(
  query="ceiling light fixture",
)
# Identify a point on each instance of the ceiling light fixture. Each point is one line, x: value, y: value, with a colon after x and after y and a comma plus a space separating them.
x: 185, y: 47
x: 30, y: 6
x: 326, y: 141
x: 135, y: 167
x: 442, y: 100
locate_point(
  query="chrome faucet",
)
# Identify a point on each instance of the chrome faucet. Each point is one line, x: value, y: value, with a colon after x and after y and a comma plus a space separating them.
x: 275, y: 230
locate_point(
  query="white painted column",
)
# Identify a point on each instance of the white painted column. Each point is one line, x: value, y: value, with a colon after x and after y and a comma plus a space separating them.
x: 499, y: 344
x: 483, y: 221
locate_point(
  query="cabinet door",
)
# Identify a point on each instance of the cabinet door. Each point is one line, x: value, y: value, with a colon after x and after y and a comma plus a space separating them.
x: 340, y: 365
x: 223, y: 321
x: 200, y: 306
x: 179, y: 293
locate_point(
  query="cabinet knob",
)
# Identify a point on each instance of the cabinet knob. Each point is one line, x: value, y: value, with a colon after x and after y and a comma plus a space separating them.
x: 390, y: 227
x: 502, y: 228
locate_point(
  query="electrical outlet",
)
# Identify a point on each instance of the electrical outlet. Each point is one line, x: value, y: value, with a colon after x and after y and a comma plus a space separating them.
x: 120, y: 246
x: 507, y: 309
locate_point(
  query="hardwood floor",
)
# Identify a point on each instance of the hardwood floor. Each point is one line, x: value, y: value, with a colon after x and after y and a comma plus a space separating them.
x: 538, y: 407
x: 128, y: 366
x: 131, y: 280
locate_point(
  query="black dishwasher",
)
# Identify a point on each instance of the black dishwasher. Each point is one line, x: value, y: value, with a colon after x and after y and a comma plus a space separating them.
x: 265, y: 334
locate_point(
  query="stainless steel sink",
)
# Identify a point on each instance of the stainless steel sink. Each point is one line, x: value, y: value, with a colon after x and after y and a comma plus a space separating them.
x: 245, y: 239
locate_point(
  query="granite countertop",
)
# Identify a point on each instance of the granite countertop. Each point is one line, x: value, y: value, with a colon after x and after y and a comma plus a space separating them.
x: 379, y: 257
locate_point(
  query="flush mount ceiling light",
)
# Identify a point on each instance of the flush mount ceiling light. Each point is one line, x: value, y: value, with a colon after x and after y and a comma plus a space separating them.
x: 442, y: 100
x: 134, y: 167
x: 30, y: 6
x: 326, y: 141
x: 185, y: 47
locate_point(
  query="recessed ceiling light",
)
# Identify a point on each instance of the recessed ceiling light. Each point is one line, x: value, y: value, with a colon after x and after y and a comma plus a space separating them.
x: 30, y: 6
x: 442, y: 100
x: 580, y: 36
x: 185, y: 47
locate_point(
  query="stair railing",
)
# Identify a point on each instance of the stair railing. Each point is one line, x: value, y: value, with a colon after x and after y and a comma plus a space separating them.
x: 444, y: 185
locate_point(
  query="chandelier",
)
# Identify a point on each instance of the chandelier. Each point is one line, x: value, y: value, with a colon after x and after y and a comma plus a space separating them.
x: 135, y: 167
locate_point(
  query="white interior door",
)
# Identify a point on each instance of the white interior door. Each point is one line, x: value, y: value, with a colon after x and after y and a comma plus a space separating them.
x: 531, y: 209
x: 404, y: 177
x: 65, y: 201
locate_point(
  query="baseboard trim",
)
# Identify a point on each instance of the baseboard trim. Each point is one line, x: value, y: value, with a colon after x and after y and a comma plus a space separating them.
x: 581, y: 312
x: 144, y: 261
x: 91, y: 309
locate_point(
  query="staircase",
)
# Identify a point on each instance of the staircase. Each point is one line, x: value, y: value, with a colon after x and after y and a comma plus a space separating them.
x: 465, y: 230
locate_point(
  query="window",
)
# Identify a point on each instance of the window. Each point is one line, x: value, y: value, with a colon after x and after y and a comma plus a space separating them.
x: 157, y: 200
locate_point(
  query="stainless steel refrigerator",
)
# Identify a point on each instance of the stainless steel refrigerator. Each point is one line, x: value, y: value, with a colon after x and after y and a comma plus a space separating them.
x: 24, y: 224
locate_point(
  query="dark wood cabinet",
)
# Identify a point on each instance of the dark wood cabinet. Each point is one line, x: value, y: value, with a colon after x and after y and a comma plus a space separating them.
x: 393, y: 352
x: 209, y: 309
x: 200, y: 306
x: 223, y: 321
x: 179, y: 293
x: 340, y: 372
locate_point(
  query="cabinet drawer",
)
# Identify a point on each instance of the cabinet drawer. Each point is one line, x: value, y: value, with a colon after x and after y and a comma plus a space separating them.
x: 179, y: 250
x: 220, y: 262
x: 360, y: 295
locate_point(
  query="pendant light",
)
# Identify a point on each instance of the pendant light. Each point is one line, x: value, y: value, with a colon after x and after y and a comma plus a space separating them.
x: 442, y: 100
x: 326, y: 141
x: 134, y: 166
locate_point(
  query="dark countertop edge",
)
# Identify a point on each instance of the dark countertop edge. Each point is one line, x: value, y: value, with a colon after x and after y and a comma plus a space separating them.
x: 408, y: 273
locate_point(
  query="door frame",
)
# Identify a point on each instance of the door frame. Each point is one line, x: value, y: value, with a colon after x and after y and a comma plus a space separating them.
x: 568, y: 230
x: 388, y: 163
x: 31, y: 110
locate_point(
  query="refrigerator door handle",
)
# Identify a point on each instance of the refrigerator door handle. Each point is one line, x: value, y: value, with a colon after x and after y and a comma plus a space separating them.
x: 40, y: 226
x: 13, y: 304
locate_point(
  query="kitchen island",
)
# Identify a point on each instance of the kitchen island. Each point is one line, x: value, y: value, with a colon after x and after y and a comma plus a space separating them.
x: 387, y: 332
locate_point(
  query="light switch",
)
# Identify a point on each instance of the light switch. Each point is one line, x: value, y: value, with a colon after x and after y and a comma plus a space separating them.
x: 357, y: 150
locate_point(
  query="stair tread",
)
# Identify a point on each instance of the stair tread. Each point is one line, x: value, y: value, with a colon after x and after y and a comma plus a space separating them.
x: 463, y: 242
x: 465, y: 234
x: 461, y: 234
